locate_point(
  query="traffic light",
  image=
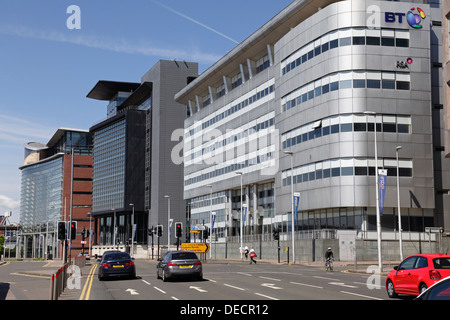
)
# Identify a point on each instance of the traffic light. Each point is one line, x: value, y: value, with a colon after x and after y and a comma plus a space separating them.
x: 73, y: 230
x: 179, y: 229
x: 205, y: 233
x: 159, y: 230
x: 61, y: 230
x: 276, y: 233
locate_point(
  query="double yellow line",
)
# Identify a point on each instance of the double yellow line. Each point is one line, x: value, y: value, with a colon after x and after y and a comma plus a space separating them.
x: 87, y: 286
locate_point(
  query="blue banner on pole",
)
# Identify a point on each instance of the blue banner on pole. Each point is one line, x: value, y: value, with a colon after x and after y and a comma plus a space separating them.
x: 296, y: 204
x: 244, y: 213
x: 213, y: 217
x: 382, y: 175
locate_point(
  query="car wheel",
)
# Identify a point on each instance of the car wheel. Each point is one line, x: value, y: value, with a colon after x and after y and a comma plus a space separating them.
x: 391, y: 289
x: 422, y: 288
x: 164, y: 278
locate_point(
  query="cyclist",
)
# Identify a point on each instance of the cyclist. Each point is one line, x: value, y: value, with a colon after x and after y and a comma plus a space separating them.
x: 329, y: 256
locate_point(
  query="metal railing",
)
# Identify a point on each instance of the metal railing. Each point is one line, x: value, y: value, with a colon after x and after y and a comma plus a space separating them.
x: 285, y: 236
x: 58, y: 282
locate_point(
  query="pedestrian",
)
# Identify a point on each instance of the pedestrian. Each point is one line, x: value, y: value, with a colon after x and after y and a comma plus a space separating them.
x: 252, y: 255
x: 246, y: 252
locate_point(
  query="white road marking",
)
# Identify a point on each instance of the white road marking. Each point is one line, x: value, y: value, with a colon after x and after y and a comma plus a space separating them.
x: 160, y: 290
x: 341, y: 284
x: 268, y: 297
x: 229, y: 285
x: 271, y: 285
x: 361, y: 295
x: 269, y: 278
x: 307, y: 285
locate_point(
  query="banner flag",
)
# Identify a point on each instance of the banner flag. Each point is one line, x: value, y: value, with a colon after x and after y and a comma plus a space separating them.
x: 382, y: 175
x: 244, y: 213
x: 296, y: 204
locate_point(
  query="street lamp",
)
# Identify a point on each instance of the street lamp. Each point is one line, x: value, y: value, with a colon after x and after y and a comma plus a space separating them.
x: 132, y: 230
x: 210, y: 217
x: 292, y: 203
x: 374, y: 114
x: 398, y: 203
x: 168, y: 222
x: 241, y: 229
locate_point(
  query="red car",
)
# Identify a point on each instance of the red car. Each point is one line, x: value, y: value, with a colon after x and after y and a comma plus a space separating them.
x: 416, y: 273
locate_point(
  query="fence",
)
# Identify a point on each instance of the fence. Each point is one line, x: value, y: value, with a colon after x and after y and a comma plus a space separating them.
x: 60, y: 277
x: 59, y: 282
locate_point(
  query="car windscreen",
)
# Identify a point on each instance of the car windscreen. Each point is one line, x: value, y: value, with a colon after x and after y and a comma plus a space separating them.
x: 184, y: 256
x: 441, y: 263
x: 117, y: 256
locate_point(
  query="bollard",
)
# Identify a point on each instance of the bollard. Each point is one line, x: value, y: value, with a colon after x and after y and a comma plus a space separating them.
x: 51, y: 287
x: 287, y: 253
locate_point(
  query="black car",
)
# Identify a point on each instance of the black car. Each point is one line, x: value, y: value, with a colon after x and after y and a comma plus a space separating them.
x: 438, y: 291
x: 179, y: 264
x: 116, y: 264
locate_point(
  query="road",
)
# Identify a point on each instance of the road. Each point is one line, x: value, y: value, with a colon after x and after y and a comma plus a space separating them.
x: 231, y: 281
x: 239, y: 281
x: 25, y: 280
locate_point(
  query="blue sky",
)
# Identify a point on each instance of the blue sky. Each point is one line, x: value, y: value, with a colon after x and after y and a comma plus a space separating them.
x: 46, y: 69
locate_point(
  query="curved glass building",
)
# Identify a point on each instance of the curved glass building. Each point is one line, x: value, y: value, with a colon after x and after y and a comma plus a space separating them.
x: 300, y: 102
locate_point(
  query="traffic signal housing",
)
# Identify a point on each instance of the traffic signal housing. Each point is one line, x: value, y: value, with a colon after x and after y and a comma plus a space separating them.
x: 61, y: 230
x: 159, y: 230
x: 73, y: 230
x: 205, y: 233
x: 178, y: 229
x: 276, y: 233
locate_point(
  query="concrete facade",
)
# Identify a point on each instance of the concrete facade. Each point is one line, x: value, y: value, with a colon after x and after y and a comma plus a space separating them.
x: 302, y: 84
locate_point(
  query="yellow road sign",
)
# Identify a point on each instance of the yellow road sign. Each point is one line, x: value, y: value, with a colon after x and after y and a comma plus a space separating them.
x: 196, y: 247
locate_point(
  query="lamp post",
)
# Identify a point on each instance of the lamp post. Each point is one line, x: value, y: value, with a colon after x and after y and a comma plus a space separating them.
x: 240, y: 223
x: 210, y: 219
x: 132, y: 230
x: 398, y: 204
x: 168, y: 222
x: 374, y: 114
x: 292, y: 203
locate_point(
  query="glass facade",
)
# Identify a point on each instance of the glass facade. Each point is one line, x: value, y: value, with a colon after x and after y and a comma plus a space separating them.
x: 41, y: 194
x: 109, y: 169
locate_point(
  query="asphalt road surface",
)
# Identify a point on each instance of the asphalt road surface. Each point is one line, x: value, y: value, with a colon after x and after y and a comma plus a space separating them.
x: 239, y: 281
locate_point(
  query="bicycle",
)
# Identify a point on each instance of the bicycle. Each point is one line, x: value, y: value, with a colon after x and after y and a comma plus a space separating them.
x: 329, y: 264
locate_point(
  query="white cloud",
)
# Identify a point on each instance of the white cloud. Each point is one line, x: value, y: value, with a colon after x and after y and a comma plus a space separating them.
x: 117, y: 45
x: 8, y: 203
x: 17, y: 131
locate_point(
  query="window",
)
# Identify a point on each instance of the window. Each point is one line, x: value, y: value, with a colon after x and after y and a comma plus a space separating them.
x: 359, y: 41
x: 345, y: 42
x: 373, y: 41
x: 262, y: 64
x: 236, y: 81
x: 421, y: 262
x: 388, y: 84
x: 408, y: 264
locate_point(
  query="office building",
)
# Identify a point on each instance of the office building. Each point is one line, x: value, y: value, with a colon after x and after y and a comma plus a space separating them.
x: 311, y: 86
x: 53, y: 190
x: 133, y: 171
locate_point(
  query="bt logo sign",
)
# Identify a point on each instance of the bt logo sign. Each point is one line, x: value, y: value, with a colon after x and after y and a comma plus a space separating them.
x: 413, y: 19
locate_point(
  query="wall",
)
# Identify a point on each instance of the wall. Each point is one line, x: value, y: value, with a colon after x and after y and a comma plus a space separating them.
x: 314, y: 249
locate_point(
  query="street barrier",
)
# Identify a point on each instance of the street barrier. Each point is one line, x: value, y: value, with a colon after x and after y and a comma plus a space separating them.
x: 58, y: 282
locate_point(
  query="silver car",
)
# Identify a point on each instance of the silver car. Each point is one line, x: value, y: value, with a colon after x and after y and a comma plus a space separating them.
x: 179, y: 264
